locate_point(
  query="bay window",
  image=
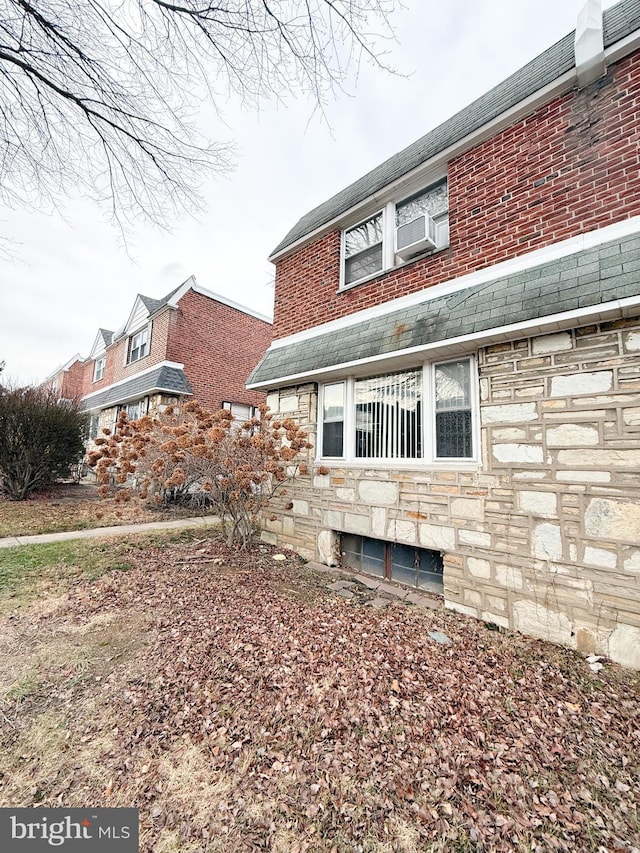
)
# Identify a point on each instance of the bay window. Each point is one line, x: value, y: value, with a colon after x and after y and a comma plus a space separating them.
x: 426, y: 413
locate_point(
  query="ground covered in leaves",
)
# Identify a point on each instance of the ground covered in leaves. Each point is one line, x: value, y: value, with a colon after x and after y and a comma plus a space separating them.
x: 243, y: 706
x: 77, y: 506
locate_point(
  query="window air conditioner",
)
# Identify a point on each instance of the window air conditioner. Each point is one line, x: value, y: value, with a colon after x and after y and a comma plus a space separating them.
x: 416, y: 236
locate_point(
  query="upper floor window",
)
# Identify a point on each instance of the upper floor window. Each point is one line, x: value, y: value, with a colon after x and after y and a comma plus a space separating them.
x: 138, y: 346
x: 426, y: 413
x: 98, y: 368
x: 400, y: 231
x: 241, y: 412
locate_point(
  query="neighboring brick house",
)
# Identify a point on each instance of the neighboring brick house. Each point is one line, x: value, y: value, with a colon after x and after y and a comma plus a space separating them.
x: 460, y: 332
x: 191, y: 344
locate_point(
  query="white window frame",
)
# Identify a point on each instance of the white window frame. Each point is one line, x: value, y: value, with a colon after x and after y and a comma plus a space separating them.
x: 389, y: 258
x: 99, y: 367
x: 428, y: 442
x: 130, y: 345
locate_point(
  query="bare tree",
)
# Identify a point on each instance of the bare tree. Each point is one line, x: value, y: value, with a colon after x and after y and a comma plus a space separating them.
x: 101, y: 96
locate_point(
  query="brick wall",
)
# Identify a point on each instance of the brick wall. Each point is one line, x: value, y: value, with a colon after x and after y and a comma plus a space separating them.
x: 71, y: 382
x: 219, y: 346
x: 117, y: 353
x: 544, y: 535
x: 569, y: 167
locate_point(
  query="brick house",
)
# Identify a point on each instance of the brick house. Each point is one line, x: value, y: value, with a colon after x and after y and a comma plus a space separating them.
x: 459, y: 330
x: 191, y: 344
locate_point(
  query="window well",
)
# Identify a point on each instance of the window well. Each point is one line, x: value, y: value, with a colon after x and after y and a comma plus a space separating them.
x: 417, y: 567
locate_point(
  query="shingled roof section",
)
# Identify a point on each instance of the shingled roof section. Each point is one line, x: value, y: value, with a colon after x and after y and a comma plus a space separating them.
x: 170, y: 380
x: 581, y: 280
x: 618, y: 22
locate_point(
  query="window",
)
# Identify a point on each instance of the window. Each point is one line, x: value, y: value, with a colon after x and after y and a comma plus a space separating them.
x: 98, y: 368
x: 138, y: 346
x: 426, y: 413
x: 241, y: 412
x: 363, y: 249
x: 418, y: 567
x: 134, y: 410
x: 94, y: 426
x: 402, y: 230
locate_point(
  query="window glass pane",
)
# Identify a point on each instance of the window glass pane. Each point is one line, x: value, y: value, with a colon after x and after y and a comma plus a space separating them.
x: 404, y: 562
x: 430, y: 570
x: 363, y: 236
x: 389, y: 416
x: 454, y: 435
x: 333, y: 419
x: 351, y: 549
x: 433, y: 201
x: 453, y: 385
x: 373, y: 557
x: 366, y: 263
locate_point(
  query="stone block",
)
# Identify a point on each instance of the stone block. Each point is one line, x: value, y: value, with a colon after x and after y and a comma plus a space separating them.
x: 600, y: 458
x: 461, y: 608
x: 356, y: 523
x: 573, y: 384
x: 378, y: 492
x: 472, y: 597
x: 328, y: 547
x: 332, y: 518
x: 437, y: 537
x: 523, y: 454
x: 478, y: 568
x: 536, y: 620
x: 572, y: 435
x: 508, y: 413
x: 632, y: 562
x: 321, y: 481
x: 624, y: 646
x: 378, y: 522
x: 467, y: 508
x: 544, y: 504
x: 556, y: 342
x: 406, y: 531
x: 583, y: 476
x: 509, y: 577
x: 631, y: 341
x: 474, y: 537
x: 289, y: 404
x: 300, y: 507
x: 611, y: 519
x: 631, y: 416
x: 547, y: 541
x: 508, y: 434
x: 600, y: 557
x: 586, y: 640
x: 345, y: 494
x: 494, y: 618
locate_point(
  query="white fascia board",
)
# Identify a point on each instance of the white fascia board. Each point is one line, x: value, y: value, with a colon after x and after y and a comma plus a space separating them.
x: 176, y: 364
x: 127, y: 326
x: 185, y: 287
x: 622, y: 48
x: 236, y: 305
x: 465, y: 344
x: 530, y: 260
x: 436, y: 165
x: 62, y: 367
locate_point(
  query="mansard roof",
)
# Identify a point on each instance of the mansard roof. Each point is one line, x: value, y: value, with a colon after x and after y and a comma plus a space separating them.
x: 164, y: 378
x: 618, y: 22
x: 576, y: 285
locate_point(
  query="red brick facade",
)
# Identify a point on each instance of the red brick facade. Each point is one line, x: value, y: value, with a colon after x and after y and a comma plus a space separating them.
x: 217, y: 343
x: 569, y: 167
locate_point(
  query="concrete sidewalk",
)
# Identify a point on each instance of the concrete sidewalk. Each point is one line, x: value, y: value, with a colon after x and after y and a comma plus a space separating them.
x: 203, y: 522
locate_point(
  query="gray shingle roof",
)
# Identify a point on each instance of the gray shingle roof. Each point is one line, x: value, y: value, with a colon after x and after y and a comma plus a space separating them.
x: 170, y: 379
x: 619, y: 21
x: 106, y: 335
x: 584, y: 279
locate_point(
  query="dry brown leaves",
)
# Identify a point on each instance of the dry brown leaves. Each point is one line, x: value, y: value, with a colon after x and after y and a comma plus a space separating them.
x: 300, y: 721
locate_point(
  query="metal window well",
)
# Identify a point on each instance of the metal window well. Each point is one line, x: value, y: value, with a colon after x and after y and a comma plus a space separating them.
x: 416, y: 567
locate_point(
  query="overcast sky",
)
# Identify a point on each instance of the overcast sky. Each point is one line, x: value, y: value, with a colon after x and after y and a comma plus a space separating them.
x: 72, y: 275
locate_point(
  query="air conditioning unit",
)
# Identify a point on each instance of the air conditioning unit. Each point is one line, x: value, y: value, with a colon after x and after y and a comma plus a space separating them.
x: 415, y: 237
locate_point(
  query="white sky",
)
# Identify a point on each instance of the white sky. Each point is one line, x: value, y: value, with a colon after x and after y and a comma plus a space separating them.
x: 73, y: 276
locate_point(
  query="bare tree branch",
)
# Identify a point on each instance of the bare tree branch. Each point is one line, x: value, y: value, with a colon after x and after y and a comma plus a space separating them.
x: 101, y: 96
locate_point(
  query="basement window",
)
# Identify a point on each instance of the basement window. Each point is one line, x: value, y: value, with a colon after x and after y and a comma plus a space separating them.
x: 417, y: 567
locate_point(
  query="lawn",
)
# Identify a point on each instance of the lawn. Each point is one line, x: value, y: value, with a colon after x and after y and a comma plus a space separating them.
x: 243, y: 706
x: 76, y: 506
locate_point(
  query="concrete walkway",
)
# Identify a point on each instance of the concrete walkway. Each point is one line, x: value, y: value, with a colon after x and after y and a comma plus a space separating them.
x: 118, y: 530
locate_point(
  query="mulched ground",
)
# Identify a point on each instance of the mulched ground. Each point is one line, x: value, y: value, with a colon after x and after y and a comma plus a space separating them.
x: 265, y: 712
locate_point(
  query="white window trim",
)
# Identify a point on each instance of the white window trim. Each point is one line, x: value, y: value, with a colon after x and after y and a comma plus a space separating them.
x: 100, y: 360
x: 389, y: 262
x: 428, y: 423
x: 127, y: 352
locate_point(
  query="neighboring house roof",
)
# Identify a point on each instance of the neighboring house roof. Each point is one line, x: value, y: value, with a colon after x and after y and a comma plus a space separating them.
x: 171, y: 380
x: 106, y: 335
x: 618, y: 22
x: 601, y: 274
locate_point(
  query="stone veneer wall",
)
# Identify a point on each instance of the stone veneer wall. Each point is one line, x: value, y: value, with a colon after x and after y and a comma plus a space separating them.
x: 542, y: 537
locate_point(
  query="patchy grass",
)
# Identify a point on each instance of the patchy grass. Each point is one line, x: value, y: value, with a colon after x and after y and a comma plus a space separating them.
x: 70, y: 506
x: 243, y: 707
